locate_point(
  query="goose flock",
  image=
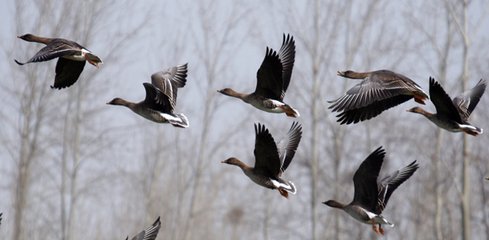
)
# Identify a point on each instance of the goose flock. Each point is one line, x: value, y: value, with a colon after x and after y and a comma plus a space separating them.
x: 376, y: 92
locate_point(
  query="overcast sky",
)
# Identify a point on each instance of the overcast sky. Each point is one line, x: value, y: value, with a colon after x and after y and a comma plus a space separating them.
x: 168, y: 33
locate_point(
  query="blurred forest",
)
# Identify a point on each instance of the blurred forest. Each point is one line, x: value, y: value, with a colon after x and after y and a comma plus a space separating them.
x: 73, y: 168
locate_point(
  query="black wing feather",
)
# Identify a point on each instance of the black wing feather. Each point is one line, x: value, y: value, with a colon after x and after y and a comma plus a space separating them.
x: 67, y: 72
x: 151, y: 95
x: 267, y: 158
x: 370, y: 111
x: 269, y: 77
x: 287, y: 58
x: 443, y: 103
x: 365, y: 180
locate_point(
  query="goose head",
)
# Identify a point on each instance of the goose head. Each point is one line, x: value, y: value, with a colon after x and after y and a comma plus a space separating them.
x: 417, y: 110
x: 118, y: 101
x: 334, y: 204
x: 228, y: 92
x: 27, y: 37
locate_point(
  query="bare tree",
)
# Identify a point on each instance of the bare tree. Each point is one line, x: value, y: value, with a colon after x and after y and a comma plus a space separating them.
x: 462, y: 26
x: 212, y: 55
x: 101, y: 168
x: 442, y: 51
x: 33, y: 98
x: 40, y: 107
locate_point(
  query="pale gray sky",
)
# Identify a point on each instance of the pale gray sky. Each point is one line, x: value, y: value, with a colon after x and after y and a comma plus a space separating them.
x: 395, y: 38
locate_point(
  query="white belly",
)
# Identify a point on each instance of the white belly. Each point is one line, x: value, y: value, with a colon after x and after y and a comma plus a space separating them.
x: 269, y: 105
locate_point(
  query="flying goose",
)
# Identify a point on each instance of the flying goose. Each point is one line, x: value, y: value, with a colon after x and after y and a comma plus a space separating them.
x: 271, y: 159
x: 161, y: 97
x: 371, y: 195
x: 453, y: 115
x: 377, y: 92
x: 273, y: 79
x: 71, y: 58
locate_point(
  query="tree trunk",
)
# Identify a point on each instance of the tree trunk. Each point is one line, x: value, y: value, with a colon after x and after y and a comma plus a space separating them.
x: 314, y: 124
x: 466, y: 230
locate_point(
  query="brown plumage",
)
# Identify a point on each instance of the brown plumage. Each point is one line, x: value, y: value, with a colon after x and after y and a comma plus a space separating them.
x: 71, y: 58
x: 271, y: 159
x: 161, y: 97
x: 371, y: 194
x: 377, y: 92
x: 273, y: 79
x: 453, y: 115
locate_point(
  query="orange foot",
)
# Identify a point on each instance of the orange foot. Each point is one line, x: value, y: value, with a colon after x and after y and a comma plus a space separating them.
x: 283, y: 192
x: 381, y: 230
x: 420, y: 99
x: 375, y: 228
x: 290, y: 112
x: 378, y: 229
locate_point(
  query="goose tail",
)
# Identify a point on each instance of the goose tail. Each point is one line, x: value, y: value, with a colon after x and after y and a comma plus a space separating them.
x: 472, y: 130
x: 182, y: 122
